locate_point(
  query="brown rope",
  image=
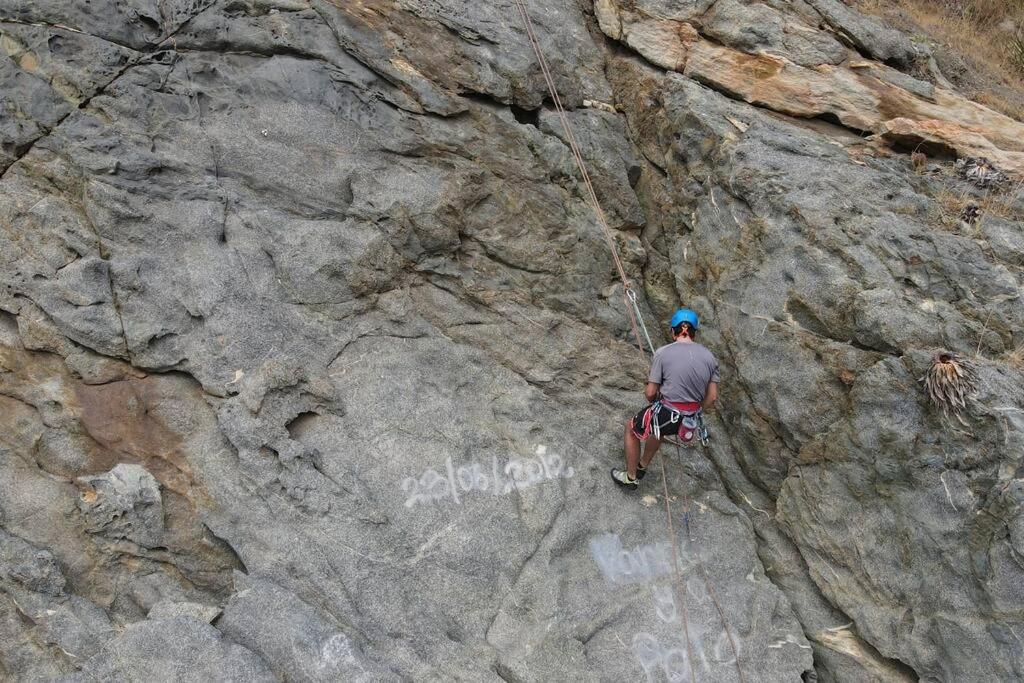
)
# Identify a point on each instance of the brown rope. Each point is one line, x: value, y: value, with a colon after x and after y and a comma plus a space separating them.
x: 574, y: 147
x: 610, y: 238
x: 707, y: 579
x: 677, y: 573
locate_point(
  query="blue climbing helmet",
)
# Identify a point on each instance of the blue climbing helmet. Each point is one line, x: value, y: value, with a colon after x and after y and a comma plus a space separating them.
x: 684, y: 315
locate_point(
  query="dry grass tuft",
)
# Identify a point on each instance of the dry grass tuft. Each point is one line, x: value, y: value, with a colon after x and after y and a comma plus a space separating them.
x: 984, y: 13
x: 950, y: 380
x: 1016, y: 357
x: 948, y: 207
x: 919, y: 161
x: 1001, y: 204
x: 951, y: 206
x: 1017, y: 49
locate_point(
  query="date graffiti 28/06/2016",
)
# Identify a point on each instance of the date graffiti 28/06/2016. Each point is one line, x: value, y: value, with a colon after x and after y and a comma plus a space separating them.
x: 517, y: 474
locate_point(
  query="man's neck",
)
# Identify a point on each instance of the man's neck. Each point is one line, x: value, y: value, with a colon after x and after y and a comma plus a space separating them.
x: 684, y: 340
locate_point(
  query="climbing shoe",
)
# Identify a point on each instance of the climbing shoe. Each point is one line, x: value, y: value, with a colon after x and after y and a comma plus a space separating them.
x: 621, y: 477
x: 640, y: 472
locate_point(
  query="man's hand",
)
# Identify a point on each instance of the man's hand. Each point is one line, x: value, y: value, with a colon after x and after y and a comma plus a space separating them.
x: 652, y: 391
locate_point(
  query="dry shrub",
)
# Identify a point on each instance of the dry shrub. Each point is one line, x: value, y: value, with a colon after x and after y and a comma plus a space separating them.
x: 1016, y: 357
x: 1017, y: 49
x: 919, y: 161
x: 1002, y: 204
x: 950, y: 381
x: 984, y: 13
x: 988, y: 34
x: 948, y: 208
x: 950, y: 205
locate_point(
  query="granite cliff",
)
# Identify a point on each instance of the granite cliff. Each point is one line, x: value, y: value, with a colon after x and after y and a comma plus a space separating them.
x: 313, y: 358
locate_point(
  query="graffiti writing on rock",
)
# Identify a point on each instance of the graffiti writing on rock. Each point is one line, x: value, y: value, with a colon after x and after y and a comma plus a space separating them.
x: 674, y: 661
x: 621, y: 566
x: 498, y: 480
x: 665, y: 603
x: 682, y: 656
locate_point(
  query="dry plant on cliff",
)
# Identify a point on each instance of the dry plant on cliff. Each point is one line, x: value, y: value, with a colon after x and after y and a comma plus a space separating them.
x: 987, y: 34
x: 950, y: 380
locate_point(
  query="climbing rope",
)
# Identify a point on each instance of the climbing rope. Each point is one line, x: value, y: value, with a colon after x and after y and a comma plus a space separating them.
x: 631, y: 295
x: 637, y: 323
x: 677, y: 573
x: 704, y: 572
x: 591, y: 194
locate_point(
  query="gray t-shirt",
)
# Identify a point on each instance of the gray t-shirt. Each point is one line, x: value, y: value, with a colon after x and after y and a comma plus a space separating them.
x: 683, y: 369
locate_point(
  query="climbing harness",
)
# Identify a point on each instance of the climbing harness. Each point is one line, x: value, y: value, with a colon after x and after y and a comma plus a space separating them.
x: 674, y: 418
x: 637, y: 323
x: 681, y: 423
x: 693, y: 428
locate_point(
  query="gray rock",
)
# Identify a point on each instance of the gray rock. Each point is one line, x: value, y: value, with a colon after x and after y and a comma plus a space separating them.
x: 35, y: 569
x: 51, y: 70
x: 35, y: 584
x: 23, y: 122
x: 149, y: 590
x: 75, y: 625
x: 195, y: 610
x: 754, y: 27
x: 301, y: 643
x: 887, y: 74
x: 175, y: 649
x: 1016, y: 528
x: 124, y: 503
x: 871, y: 448
x: 614, y: 166
x: 140, y: 25
x: 27, y: 658
x: 867, y: 34
x: 746, y: 27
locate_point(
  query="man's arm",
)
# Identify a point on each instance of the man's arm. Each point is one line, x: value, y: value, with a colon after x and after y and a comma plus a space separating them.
x: 652, y: 390
x: 710, y: 397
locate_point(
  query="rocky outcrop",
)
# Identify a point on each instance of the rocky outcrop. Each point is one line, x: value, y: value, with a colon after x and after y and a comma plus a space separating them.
x: 765, y: 57
x: 124, y: 503
x: 867, y: 34
x: 313, y: 358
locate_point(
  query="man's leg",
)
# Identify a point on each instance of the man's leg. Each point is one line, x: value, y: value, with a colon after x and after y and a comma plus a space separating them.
x: 632, y: 450
x: 651, y: 447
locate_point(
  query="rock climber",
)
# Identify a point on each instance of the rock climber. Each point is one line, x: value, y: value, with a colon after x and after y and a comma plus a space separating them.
x: 682, y: 384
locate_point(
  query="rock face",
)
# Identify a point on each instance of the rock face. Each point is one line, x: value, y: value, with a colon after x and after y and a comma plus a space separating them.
x: 313, y: 358
x: 123, y: 503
